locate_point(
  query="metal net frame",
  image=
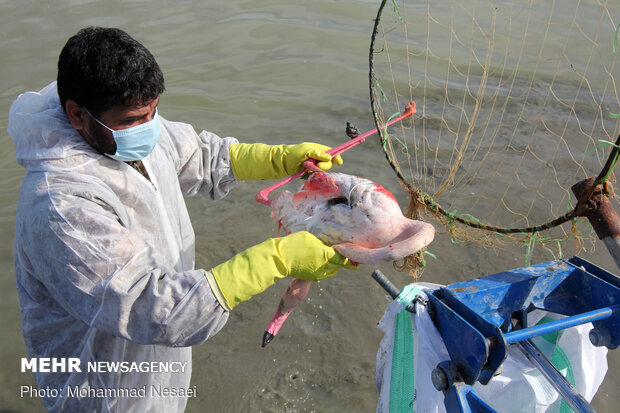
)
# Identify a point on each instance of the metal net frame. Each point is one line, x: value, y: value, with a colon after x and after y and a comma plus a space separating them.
x: 517, y: 102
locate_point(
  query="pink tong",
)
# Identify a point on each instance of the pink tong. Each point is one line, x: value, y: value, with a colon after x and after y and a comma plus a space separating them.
x: 309, y: 165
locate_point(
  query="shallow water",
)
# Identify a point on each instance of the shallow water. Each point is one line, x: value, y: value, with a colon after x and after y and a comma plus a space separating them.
x: 263, y: 71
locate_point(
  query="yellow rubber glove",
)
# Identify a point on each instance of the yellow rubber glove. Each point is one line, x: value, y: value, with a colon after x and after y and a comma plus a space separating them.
x: 259, y: 161
x: 300, y: 255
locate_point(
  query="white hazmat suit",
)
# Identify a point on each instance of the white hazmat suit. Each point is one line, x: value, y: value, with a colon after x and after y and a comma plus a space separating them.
x: 104, y: 259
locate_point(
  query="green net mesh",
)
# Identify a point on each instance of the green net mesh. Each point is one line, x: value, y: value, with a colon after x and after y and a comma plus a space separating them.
x: 516, y: 102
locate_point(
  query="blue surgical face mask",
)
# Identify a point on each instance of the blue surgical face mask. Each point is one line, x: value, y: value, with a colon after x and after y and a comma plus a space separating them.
x: 135, y: 143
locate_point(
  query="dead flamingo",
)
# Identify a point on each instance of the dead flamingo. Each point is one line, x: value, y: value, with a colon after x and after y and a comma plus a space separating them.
x: 357, y: 217
x: 300, y: 287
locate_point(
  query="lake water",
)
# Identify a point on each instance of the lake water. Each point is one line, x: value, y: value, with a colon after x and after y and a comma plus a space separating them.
x: 262, y: 71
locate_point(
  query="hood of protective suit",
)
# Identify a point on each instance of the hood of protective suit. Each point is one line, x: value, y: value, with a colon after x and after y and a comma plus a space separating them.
x: 43, y: 136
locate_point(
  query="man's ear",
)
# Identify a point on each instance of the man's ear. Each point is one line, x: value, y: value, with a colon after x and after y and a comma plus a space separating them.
x: 76, y: 114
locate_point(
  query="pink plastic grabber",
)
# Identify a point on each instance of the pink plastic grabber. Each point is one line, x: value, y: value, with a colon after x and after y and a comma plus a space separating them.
x: 263, y: 195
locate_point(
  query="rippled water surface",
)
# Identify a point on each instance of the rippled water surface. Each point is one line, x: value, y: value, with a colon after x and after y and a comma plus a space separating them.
x: 262, y: 71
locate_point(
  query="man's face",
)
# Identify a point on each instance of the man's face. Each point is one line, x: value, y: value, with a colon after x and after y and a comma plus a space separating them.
x: 117, y: 118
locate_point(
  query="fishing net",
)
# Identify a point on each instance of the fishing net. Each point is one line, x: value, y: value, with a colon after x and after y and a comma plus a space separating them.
x: 516, y: 102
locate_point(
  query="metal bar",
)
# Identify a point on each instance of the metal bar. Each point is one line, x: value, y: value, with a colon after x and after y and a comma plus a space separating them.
x: 385, y: 283
x: 555, y: 378
x: 390, y: 288
x: 530, y: 332
x: 613, y: 246
x: 593, y: 203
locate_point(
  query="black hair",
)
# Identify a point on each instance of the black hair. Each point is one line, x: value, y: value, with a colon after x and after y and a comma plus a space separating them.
x: 102, y: 67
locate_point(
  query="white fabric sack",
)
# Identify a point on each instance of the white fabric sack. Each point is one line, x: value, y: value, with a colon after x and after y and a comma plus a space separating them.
x: 520, y: 388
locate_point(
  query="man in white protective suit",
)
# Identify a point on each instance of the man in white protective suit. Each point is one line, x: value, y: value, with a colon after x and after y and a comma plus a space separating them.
x: 104, y: 248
